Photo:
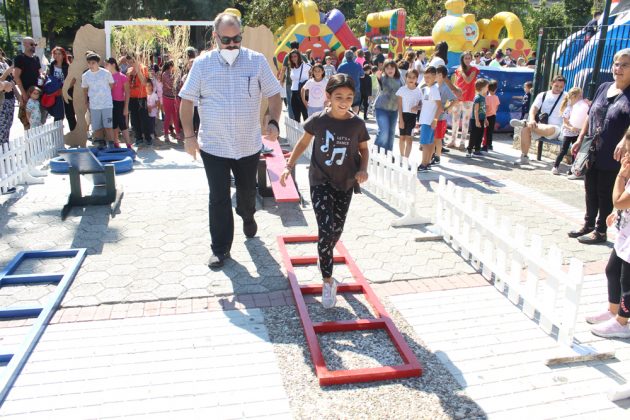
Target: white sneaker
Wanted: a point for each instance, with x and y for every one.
(524, 160)
(329, 294)
(573, 176)
(518, 123)
(611, 329)
(555, 171)
(600, 317)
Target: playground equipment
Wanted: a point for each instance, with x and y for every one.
(314, 31)
(388, 25)
(573, 53)
(461, 32)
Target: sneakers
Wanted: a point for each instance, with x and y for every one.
(484, 149)
(423, 168)
(574, 176)
(218, 260)
(600, 317)
(555, 171)
(524, 160)
(518, 123)
(446, 149)
(435, 160)
(9, 190)
(329, 294)
(611, 329)
(592, 238)
(250, 228)
(584, 230)
(477, 153)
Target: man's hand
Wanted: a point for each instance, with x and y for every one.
(191, 146)
(283, 177)
(401, 123)
(532, 124)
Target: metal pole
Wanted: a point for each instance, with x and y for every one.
(540, 58)
(600, 50)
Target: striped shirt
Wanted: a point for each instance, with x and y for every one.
(229, 101)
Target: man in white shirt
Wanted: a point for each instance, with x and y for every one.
(229, 83)
(546, 104)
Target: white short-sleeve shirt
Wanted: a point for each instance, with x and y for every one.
(229, 101)
(99, 88)
(410, 97)
(430, 94)
(555, 118)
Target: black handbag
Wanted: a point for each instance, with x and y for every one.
(585, 156)
(543, 117)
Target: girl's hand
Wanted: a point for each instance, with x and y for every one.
(619, 151)
(611, 219)
(625, 168)
(434, 124)
(401, 123)
(126, 112)
(361, 177)
(415, 109)
(485, 123)
(478, 124)
(283, 177)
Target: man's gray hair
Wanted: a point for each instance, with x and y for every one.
(26, 38)
(226, 18)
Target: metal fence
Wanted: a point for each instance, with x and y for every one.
(571, 52)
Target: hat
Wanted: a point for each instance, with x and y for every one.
(93, 57)
(349, 55)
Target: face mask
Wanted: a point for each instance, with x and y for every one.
(230, 55)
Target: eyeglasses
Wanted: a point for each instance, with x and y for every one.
(226, 40)
(621, 65)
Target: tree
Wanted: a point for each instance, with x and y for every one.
(160, 9)
(579, 11)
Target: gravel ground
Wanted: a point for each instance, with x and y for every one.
(434, 395)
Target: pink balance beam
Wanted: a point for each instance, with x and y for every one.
(275, 166)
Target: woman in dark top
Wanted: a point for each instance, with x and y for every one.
(59, 69)
(609, 118)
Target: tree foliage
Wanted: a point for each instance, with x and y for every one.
(160, 9)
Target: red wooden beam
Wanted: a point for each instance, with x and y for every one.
(275, 166)
(410, 367)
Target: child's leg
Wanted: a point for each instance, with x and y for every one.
(492, 119)
(440, 132)
(402, 144)
(566, 144)
(323, 206)
(426, 142)
(478, 138)
(471, 140)
(613, 271)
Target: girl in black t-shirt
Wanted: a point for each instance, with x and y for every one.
(339, 162)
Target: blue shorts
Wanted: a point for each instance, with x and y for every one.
(426, 134)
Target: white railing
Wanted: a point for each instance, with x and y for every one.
(500, 247)
(395, 179)
(20, 157)
(294, 133)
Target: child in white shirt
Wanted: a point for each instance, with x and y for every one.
(409, 97)
(153, 102)
(315, 88)
(431, 110)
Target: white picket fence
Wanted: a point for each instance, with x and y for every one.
(391, 178)
(294, 133)
(20, 157)
(395, 179)
(525, 267)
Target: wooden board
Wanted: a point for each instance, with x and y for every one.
(275, 166)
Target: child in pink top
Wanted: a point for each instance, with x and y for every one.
(492, 105)
(120, 100)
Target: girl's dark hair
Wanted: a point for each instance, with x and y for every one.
(493, 86)
(414, 72)
(167, 65)
(299, 59)
(32, 89)
(392, 63)
(338, 81)
(441, 50)
(318, 66)
(462, 63)
(112, 60)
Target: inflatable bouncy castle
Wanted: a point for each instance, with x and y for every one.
(388, 25)
(314, 31)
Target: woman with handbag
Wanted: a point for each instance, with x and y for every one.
(58, 69)
(603, 135)
(300, 73)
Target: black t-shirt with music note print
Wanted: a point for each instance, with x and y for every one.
(335, 157)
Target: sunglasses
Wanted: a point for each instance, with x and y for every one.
(226, 40)
(33, 45)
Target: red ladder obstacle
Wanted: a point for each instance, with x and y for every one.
(410, 368)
